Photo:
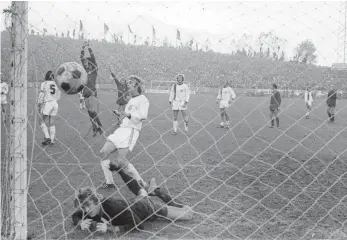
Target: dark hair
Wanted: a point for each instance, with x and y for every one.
(180, 74)
(274, 85)
(138, 84)
(49, 75)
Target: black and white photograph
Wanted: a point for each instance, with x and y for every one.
(173, 120)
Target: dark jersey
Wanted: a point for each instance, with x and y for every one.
(90, 87)
(332, 96)
(275, 101)
(120, 213)
(122, 91)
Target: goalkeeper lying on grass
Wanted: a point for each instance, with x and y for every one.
(112, 214)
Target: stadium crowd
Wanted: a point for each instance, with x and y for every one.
(202, 69)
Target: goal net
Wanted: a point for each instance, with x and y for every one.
(262, 174)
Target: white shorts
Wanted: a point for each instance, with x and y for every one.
(178, 105)
(50, 108)
(3, 99)
(309, 104)
(124, 138)
(224, 104)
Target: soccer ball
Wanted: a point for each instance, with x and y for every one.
(70, 77)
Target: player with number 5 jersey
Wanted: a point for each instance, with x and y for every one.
(48, 107)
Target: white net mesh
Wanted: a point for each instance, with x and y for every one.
(243, 182)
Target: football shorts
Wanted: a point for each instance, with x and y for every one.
(124, 138)
(178, 105)
(50, 108)
(309, 104)
(3, 99)
(223, 104)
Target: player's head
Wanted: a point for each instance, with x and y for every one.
(135, 85)
(49, 76)
(180, 78)
(226, 84)
(88, 64)
(274, 86)
(88, 200)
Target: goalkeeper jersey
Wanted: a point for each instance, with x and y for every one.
(137, 107)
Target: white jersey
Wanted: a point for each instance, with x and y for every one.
(226, 94)
(137, 107)
(308, 97)
(182, 93)
(49, 91)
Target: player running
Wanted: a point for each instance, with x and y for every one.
(48, 106)
(331, 104)
(4, 92)
(178, 99)
(112, 214)
(123, 140)
(275, 103)
(308, 102)
(225, 96)
(82, 103)
(123, 94)
(89, 91)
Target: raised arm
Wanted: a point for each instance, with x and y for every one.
(92, 57)
(82, 55)
(115, 79)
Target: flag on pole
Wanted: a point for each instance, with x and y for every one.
(178, 37)
(81, 26)
(153, 32)
(106, 29)
(130, 29)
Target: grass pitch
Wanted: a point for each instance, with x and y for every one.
(248, 182)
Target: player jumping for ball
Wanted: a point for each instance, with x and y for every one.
(224, 98)
(48, 106)
(89, 91)
(123, 140)
(308, 102)
(123, 93)
(112, 214)
(178, 99)
(275, 103)
(331, 104)
(4, 92)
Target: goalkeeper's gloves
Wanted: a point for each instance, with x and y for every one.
(85, 224)
(102, 227)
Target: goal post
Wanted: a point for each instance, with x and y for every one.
(18, 123)
(157, 86)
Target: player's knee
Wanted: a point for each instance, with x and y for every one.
(122, 163)
(105, 164)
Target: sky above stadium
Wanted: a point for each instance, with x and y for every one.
(223, 23)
